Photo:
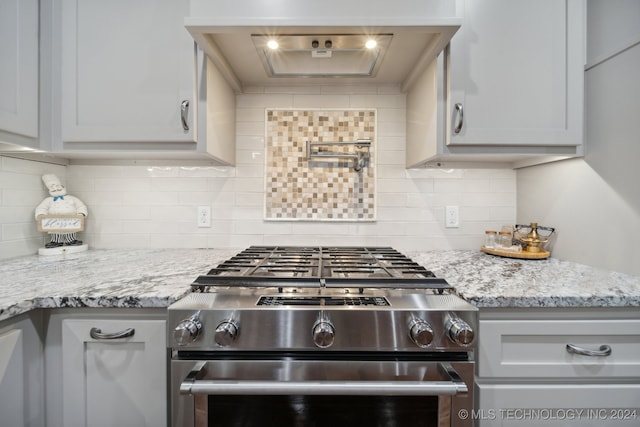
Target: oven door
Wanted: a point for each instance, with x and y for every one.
(298, 392)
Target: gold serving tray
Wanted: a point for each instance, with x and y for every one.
(521, 255)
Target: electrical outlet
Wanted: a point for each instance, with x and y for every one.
(452, 217)
(204, 216)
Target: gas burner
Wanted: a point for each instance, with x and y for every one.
(319, 267)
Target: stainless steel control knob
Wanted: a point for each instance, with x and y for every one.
(459, 331)
(323, 333)
(226, 333)
(421, 332)
(187, 331)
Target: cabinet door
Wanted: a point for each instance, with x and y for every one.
(19, 67)
(127, 68)
(11, 379)
(517, 70)
(109, 382)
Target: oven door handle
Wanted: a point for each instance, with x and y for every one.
(453, 386)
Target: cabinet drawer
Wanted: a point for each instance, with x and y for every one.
(538, 348)
(557, 405)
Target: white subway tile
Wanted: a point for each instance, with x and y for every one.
(249, 199)
(250, 142)
(16, 214)
(150, 199)
(394, 184)
(321, 101)
(19, 230)
(261, 227)
(379, 101)
(179, 184)
(250, 115)
(174, 213)
(386, 129)
(503, 185)
(392, 199)
(387, 171)
(101, 198)
(217, 185)
(23, 197)
(448, 186)
(476, 185)
(250, 157)
(20, 181)
(386, 157)
(250, 170)
(120, 184)
(178, 241)
(103, 227)
(489, 199)
(22, 247)
(398, 115)
(243, 241)
(264, 101)
(420, 200)
(249, 184)
(224, 200)
(389, 89)
(250, 129)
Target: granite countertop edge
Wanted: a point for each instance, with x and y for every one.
(114, 279)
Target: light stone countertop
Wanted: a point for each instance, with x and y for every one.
(157, 278)
(491, 281)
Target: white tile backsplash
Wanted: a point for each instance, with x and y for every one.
(152, 205)
(21, 190)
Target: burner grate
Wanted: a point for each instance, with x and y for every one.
(292, 266)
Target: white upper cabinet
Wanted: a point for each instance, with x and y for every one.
(517, 72)
(18, 71)
(128, 72)
(509, 90)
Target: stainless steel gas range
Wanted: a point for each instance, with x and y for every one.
(321, 336)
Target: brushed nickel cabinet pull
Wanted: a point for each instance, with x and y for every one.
(184, 114)
(97, 334)
(460, 122)
(603, 351)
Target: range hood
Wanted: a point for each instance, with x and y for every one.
(321, 55)
(318, 53)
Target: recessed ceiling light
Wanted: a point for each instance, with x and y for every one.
(370, 44)
(272, 44)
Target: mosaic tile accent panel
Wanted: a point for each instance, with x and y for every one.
(325, 189)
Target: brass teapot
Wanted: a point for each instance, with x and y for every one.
(530, 236)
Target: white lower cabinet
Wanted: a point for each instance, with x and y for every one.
(110, 381)
(11, 377)
(527, 376)
(21, 372)
(558, 405)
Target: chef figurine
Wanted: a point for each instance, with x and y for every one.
(63, 204)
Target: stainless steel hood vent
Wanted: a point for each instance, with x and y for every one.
(322, 55)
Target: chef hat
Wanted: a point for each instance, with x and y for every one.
(50, 179)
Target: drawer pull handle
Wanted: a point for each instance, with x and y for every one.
(603, 351)
(97, 334)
